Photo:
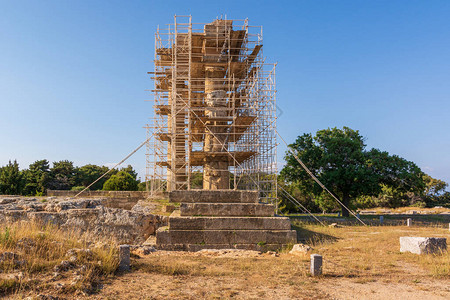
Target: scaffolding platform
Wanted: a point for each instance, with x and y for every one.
(214, 109)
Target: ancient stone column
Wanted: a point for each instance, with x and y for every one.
(215, 169)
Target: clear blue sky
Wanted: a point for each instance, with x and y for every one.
(73, 74)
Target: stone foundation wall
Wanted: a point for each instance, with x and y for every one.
(114, 199)
(88, 216)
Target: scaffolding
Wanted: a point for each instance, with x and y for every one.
(214, 109)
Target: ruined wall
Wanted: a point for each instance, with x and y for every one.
(114, 199)
(88, 216)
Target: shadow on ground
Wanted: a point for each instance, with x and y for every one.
(311, 237)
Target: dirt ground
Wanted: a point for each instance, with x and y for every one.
(142, 285)
(359, 262)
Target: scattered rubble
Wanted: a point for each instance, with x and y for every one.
(228, 253)
(14, 259)
(75, 254)
(142, 250)
(300, 249)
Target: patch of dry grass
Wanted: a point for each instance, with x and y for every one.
(406, 209)
(31, 251)
(375, 251)
(189, 275)
(365, 256)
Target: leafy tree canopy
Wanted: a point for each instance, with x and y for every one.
(434, 187)
(11, 179)
(129, 169)
(122, 181)
(62, 175)
(36, 178)
(338, 158)
(87, 174)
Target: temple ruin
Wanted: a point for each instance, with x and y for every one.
(213, 145)
(214, 109)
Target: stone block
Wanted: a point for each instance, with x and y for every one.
(124, 258)
(44, 217)
(198, 247)
(15, 215)
(168, 208)
(300, 249)
(229, 223)
(82, 213)
(422, 245)
(230, 237)
(214, 196)
(227, 209)
(316, 264)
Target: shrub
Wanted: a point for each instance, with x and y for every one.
(122, 181)
(77, 188)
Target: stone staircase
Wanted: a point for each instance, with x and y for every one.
(223, 219)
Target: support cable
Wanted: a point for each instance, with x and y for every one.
(295, 201)
(118, 164)
(317, 180)
(292, 199)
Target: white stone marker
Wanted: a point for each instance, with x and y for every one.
(316, 264)
(422, 245)
(409, 222)
(124, 258)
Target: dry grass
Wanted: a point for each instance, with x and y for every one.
(409, 209)
(356, 259)
(38, 249)
(358, 262)
(374, 251)
(189, 276)
(160, 203)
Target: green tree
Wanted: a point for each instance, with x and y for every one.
(434, 190)
(197, 180)
(434, 187)
(338, 158)
(155, 184)
(129, 169)
(305, 197)
(87, 174)
(11, 179)
(443, 199)
(142, 186)
(62, 175)
(122, 181)
(37, 177)
(401, 181)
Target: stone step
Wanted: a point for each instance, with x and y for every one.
(224, 223)
(216, 196)
(166, 236)
(198, 247)
(227, 209)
